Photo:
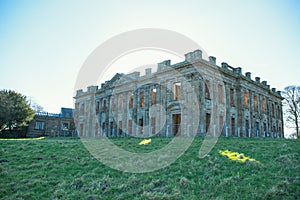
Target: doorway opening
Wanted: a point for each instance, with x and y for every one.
(176, 124)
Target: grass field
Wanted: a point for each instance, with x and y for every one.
(63, 169)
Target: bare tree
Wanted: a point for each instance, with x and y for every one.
(34, 105)
(292, 107)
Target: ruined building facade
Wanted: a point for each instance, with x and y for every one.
(191, 97)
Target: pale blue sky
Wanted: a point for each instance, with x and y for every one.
(44, 43)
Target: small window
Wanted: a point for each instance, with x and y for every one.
(65, 126)
(39, 125)
(176, 90)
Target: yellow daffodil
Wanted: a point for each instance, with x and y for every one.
(39, 138)
(239, 157)
(144, 142)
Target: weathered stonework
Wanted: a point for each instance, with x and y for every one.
(124, 105)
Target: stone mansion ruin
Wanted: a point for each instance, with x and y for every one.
(225, 102)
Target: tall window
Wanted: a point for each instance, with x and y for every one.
(246, 99)
(81, 129)
(221, 123)
(97, 129)
(257, 132)
(120, 128)
(82, 109)
(153, 96)
(176, 90)
(130, 101)
(142, 102)
(130, 127)
(111, 128)
(232, 126)
(153, 125)
(103, 127)
(231, 97)
(220, 93)
(255, 102)
(97, 106)
(104, 105)
(247, 127)
(39, 125)
(207, 86)
(141, 124)
(265, 129)
(121, 102)
(112, 103)
(279, 112)
(207, 121)
(273, 110)
(263, 105)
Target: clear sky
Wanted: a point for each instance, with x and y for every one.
(44, 43)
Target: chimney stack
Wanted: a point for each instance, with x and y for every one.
(148, 71)
(212, 59)
(257, 79)
(248, 75)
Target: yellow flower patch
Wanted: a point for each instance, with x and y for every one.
(40, 138)
(144, 142)
(236, 156)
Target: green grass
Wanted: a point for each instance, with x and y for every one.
(63, 169)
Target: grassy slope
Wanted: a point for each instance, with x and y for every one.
(63, 169)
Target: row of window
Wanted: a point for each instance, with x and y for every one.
(40, 125)
(247, 126)
(176, 96)
(264, 107)
(130, 127)
(231, 130)
(121, 100)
